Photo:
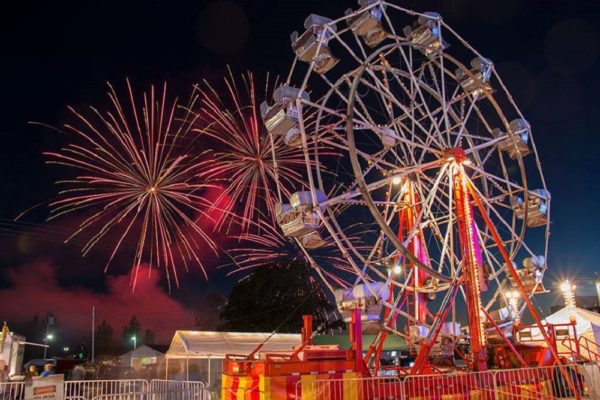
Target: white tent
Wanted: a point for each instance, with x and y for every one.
(196, 355)
(196, 344)
(142, 355)
(587, 324)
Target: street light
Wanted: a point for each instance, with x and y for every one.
(568, 291)
(134, 338)
(47, 339)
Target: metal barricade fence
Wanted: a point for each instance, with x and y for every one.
(171, 394)
(542, 383)
(12, 390)
(118, 389)
(180, 390)
(591, 376)
(539, 383)
(350, 388)
(92, 389)
(468, 385)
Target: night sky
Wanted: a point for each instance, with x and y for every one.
(58, 53)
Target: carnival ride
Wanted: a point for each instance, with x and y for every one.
(437, 164)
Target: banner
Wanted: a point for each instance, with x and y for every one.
(47, 388)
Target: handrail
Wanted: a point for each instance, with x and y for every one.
(582, 343)
(586, 345)
(566, 342)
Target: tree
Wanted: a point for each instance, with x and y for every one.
(274, 298)
(208, 314)
(149, 336)
(34, 331)
(104, 338)
(132, 329)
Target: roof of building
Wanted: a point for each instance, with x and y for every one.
(143, 351)
(162, 348)
(198, 344)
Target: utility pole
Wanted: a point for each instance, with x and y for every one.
(48, 336)
(93, 332)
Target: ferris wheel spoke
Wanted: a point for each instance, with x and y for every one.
(464, 123)
(395, 122)
(434, 222)
(417, 84)
(497, 180)
(373, 186)
(500, 218)
(452, 258)
(422, 108)
(441, 89)
(426, 204)
(401, 106)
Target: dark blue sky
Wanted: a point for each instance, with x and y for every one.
(59, 53)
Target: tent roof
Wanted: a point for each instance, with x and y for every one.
(584, 318)
(143, 351)
(584, 321)
(197, 344)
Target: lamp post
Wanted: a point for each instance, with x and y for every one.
(568, 291)
(47, 339)
(134, 339)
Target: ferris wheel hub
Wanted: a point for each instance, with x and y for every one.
(456, 154)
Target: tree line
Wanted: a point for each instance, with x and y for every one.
(273, 298)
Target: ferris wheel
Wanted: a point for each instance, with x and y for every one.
(410, 135)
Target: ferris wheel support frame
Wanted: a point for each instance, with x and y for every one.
(565, 374)
(472, 264)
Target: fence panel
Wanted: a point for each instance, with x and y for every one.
(180, 390)
(350, 388)
(471, 385)
(12, 390)
(93, 389)
(544, 383)
(591, 378)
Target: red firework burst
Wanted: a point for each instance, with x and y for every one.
(137, 180)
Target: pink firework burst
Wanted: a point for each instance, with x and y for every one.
(244, 152)
(137, 181)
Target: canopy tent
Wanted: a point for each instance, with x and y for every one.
(143, 355)
(585, 321)
(196, 355)
(587, 324)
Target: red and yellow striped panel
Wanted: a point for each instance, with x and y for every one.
(305, 387)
